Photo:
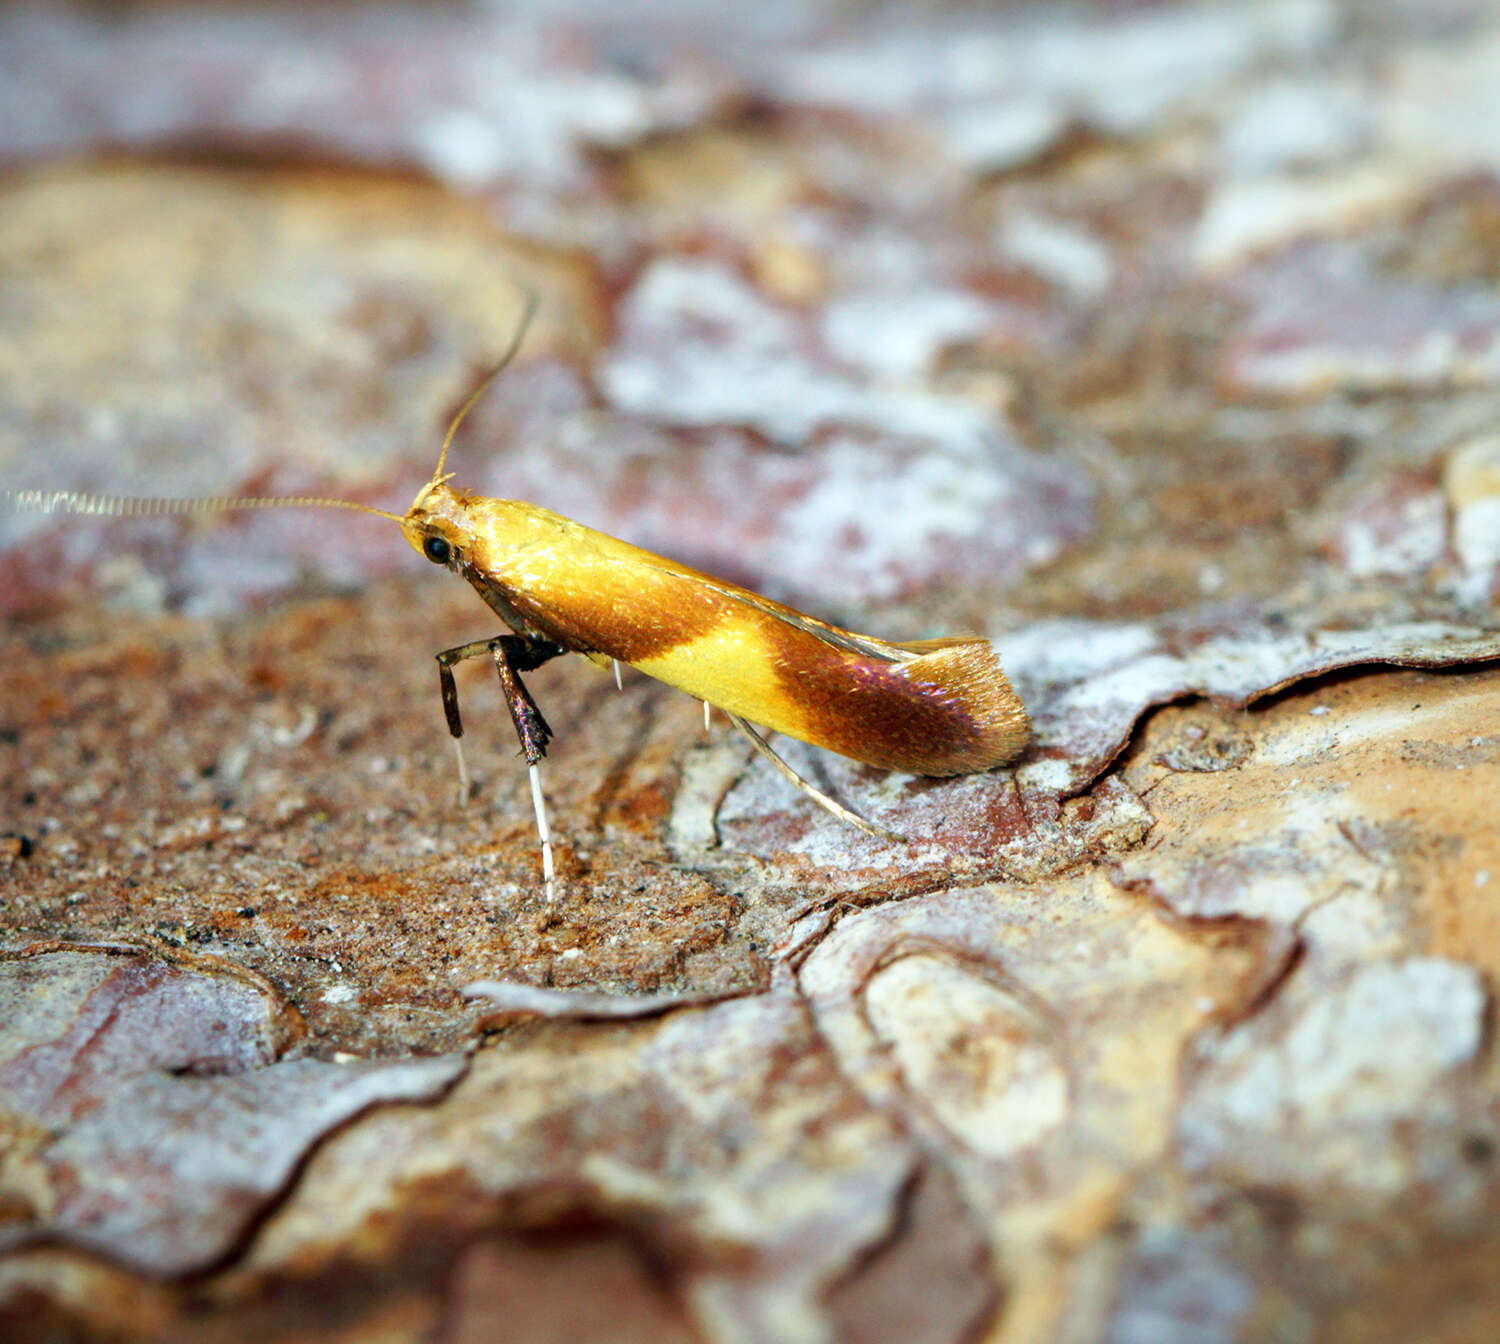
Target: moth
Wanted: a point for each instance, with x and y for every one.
(932, 707)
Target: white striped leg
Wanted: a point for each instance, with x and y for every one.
(463, 771)
(543, 832)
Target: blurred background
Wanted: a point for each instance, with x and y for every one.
(1158, 342)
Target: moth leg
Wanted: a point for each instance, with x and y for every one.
(449, 691)
(512, 654)
(817, 795)
(543, 831)
(463, 771)
(445, 660)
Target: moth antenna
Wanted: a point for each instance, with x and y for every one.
(527, 313)
(146, 506)
(131, 506)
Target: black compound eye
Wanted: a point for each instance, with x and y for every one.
(437, 550)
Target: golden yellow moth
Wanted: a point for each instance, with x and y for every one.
(935, 707)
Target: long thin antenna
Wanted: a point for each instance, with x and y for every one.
(527, 313)
(130, 506)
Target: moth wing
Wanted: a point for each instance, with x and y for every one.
(835, 635)
(922, 646)
(957, 677)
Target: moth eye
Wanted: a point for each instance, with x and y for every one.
(437, 550)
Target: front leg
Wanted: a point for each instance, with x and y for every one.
(513, 654)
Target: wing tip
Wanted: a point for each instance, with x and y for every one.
(969, 674)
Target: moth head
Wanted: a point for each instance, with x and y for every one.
(437, 524)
